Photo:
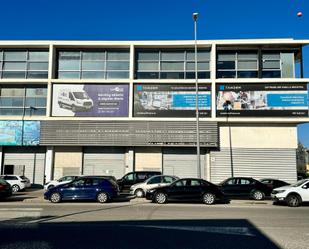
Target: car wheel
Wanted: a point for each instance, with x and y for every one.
(293, 200)
(102, 197)
(55, 198)
(50, 186)
(15, 188)
(139, 193)
(209, 198)
(258, 195)
(160, 198)
(73, 108)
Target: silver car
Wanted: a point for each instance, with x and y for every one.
(140, 189)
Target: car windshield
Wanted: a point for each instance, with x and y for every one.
(23, 177)
(297, 184)
(81, 95)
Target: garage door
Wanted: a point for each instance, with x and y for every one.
(181, 162)
(30, 161)
(104, 161)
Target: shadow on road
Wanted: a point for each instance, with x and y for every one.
(145, 234)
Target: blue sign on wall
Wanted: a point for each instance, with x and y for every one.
(17, 133)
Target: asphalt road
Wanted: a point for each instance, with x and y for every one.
(140, 224)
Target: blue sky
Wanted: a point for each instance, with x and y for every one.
(156, 20)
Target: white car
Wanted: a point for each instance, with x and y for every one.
(17, 182)
(293, 195)
(62, 180)
(140, 189)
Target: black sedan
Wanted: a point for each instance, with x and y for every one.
(187, 189)
(273, 183)
(5, 189)
(244, 187)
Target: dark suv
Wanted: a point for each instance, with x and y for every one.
(135, 177)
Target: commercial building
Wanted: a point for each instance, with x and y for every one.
(107, 108)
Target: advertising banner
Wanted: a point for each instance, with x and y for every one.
(262, 100)
(11, 133)
(171, 100)
(90, 100)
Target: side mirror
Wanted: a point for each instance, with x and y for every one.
(305, 187)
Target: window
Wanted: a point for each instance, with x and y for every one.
(171, 64)
(102, 64)
(271, 65)
(243, 181)
(195, 183)
(10, 178)
(129, 177)
(168, 179)
(23, 100)
(181, 183)
(241, 64)
(155, 180)
(230, 182)
(24, 64)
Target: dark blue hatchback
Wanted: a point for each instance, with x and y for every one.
(84, 188)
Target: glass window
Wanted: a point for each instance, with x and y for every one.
(154, 180)
(201, 56)
(93, 65)
(226, 65)
(38, 56)
(69, 65)
(243, 181)
(141, 176)
(117, 65)
(170, 56)
(117, 75)
(129, 177)
(181, 183)
(118, 55)
(15, 55)
(201, 66)
(195, 183)
(148, 66)
(271, 64)
(38, 66)
(230, 182)
(94, 56)
(14, 66)
(93, 74)
(172, 66)
(149, 56)
(18, 64)
(69, 55)
(69, 75)
(168, 179)
(243, 65)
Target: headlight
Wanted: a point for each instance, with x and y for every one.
(278, 191)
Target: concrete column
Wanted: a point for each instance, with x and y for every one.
(129, 160)
(49, 161)
(1, 160)
(213, 79)
(207, 168)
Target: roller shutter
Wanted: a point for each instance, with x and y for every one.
(181, 162)
(256, 163)
(32, 160)
(104, 161)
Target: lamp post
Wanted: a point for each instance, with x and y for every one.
(227, 107)
(198, 160)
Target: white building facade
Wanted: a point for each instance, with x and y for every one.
(108, 108)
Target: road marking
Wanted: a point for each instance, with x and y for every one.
(245, 231)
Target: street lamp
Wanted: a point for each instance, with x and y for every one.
(198, 160)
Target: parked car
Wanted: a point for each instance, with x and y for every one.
(187, 189)
(17, 182)
(84, 188)
(140, 189)
(293, 195)
(273, 183)
(5, 189)
(64, 179)
(135, 177)
(244, 187)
